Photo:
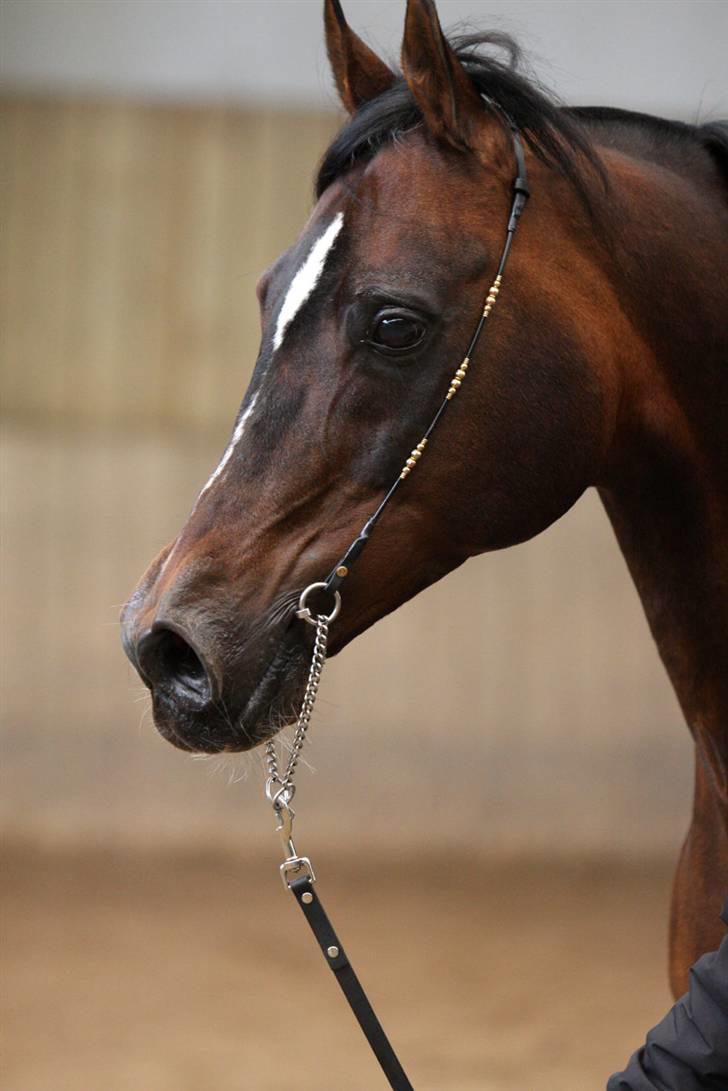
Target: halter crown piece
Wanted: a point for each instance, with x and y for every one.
(296, 871)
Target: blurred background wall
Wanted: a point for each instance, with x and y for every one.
(155, 158)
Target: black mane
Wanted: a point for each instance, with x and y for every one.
(492, 61)
(666, 136)
(561, 137)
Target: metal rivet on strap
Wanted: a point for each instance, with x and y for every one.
(332, 952)
(307, 897)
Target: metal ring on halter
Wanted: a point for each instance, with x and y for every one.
(303, 611)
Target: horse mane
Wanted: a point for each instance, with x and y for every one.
(714, 138)
(493, 62)
(560, 136)
(664, 134)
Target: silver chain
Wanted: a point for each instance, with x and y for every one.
(279, 787)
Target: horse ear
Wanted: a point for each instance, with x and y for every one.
(359, 73)
(450, 105)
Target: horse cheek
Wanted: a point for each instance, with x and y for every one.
(541, 442)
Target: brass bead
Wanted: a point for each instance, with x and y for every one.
(411, 463)
(456, 383)
(405, 471)
(490, 299)
(421, 445)
(460, 373)
(499, 278)
(342, 571)
(416, 454)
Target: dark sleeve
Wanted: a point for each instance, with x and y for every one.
(688, 1050)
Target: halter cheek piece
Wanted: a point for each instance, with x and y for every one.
(296, 871)
(521, 194)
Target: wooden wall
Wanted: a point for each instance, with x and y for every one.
(133, 236)
(519, 706)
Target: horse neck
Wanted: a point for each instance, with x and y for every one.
(666, 486)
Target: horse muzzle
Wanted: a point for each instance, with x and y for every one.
(209, 697)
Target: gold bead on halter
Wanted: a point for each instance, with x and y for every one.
(415, 456)
(455, 383)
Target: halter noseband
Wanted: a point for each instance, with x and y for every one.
(521, 193)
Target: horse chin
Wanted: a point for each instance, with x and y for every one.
(234, 726)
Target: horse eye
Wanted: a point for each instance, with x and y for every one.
(396, 332)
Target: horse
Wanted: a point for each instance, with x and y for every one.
(605, 365)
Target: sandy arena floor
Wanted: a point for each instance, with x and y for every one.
(158, 973)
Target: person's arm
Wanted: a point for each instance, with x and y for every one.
(688, 1050)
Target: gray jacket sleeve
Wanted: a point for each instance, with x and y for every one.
(688, 1050)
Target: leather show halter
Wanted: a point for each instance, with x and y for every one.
(296, 871)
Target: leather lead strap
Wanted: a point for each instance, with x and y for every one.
(333, 952)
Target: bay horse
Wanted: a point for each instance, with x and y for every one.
(605, 364)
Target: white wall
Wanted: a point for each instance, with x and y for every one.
(654, 55)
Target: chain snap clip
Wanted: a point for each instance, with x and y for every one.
(293, 866)
(279, 786)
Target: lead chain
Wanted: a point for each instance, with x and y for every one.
(279, 787)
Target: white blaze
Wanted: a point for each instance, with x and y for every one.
(236, 437)
(300, 288)
(306, 279)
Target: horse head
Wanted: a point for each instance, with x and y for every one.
(364, 320)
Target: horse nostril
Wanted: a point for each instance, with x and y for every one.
(167, 660)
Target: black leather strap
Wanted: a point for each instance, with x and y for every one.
(333, 952)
